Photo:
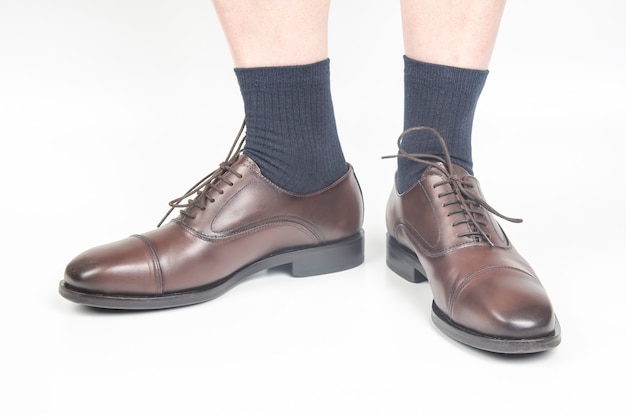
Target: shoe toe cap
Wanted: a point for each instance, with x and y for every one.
(505, 303)
(123, 267)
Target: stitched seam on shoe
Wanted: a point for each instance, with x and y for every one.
(155, 262)
(431, 203)
(411, 232)
(252, 230)
(308, 227)
(417, 238)
(319, 234)
(465, 281)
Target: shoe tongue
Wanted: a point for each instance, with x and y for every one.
(457, 171)
(246, 160)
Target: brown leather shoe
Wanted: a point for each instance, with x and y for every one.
(485, 294)
(236, 224)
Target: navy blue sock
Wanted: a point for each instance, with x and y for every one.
(443, 98)
(290, 125)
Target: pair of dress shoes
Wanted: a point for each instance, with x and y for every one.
(236, 223)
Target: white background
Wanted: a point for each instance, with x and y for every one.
(109, 109)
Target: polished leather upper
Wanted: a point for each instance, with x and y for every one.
(486, 287)
(242, 218)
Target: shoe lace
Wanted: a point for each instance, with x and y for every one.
(466, 202)
(210, 182)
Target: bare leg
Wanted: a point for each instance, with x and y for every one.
(458, 33)
(264, 33)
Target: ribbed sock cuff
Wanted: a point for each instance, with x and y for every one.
(283, 78)
(444, 77)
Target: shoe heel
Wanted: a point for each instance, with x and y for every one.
(334, 257)
(403, 262)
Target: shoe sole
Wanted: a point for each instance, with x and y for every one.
(405, 263)
(323, 259)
